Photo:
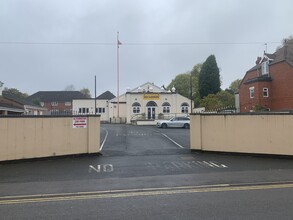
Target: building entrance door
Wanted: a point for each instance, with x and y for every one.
(151, 112)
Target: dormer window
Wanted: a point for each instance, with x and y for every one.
(265, 68)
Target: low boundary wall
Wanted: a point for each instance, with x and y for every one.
(247, 133)
(43, 136)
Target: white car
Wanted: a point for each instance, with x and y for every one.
(177, 122)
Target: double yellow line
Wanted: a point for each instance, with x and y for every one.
(8, 200)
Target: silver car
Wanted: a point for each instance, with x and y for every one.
(177, 122)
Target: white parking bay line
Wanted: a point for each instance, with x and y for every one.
(104, 140)
(166, 136)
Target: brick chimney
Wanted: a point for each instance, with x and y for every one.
(258, 59)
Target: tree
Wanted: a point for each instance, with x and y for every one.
(196, 70)
(36, 101)
(210, 102)
(209, 77)
(181, 84)
(186, 83)
(288, 40)
(69, 88)
(86, 92)
(226, 98)
(15, 92)
(216, 101)
(234, 86)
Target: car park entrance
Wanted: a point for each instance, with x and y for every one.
(126, 139)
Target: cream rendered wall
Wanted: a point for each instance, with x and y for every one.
(35, 137)
(264, 134)
(113, 110)
(174, 99)
(130, 99)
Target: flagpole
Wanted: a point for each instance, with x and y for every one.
(117, 74)
(95, 94)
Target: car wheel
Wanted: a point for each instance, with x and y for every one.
(164, 125)
(186, 126)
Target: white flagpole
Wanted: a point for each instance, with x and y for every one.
(117, 74)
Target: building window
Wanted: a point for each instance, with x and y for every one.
(100, 110)
(54, 103)
(265, 68)
(184, 107)
(265, 92)
(83, 110)
(67, 103)
(42, 104)
(55, 112)
(166, 107)
(136, 108)
(251, 92)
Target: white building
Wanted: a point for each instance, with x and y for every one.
(87, 106)
(145, 102)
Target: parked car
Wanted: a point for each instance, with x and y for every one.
(177, 122)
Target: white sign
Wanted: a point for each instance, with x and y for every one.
(79, 122)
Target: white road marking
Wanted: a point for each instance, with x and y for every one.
(104, 140)
(174, 142)
(222, 165)
(98, 169)
(106, 168)
(208, 164)
(186, 165)
(197, 164)
(214, 164)
(201, 163)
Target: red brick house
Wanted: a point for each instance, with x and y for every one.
(269, 84)
(57, 102)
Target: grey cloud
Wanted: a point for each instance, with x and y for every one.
(51, 67)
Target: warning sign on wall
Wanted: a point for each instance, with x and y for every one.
(79, 122)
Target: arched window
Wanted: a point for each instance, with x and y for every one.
(166, 107)
(184, 107)
(151, 104)
(136, 108)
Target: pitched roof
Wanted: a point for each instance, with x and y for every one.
(57, 96)
(18, 99)
(106, 95)
(6, 106)
(147, 86)
(284, 53)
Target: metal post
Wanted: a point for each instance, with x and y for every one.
(95, 109)
(190, 92)
(118, 42)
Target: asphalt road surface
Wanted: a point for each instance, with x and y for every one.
(145, 172)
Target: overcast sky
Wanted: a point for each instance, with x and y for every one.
(160, 39)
